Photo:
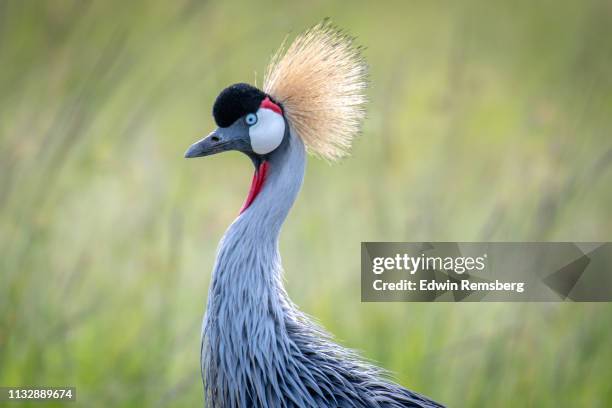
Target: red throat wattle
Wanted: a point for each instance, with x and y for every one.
(256, 185)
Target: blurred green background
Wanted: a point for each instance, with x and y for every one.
(487, 121)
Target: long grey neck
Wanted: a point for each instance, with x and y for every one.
(248, 252)
(247, 270)
(250, 245)
(247, 304)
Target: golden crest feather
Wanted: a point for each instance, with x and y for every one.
(320, 80)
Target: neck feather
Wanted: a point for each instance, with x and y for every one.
(247, 304)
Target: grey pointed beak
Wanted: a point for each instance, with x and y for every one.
(211, 144)
(235, 137)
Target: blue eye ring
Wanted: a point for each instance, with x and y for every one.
(250, 119)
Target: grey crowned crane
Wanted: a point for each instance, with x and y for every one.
(258, 349)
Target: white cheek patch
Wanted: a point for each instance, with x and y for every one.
(267, 134)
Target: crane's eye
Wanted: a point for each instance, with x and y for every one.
(251, 119)
(267, 134)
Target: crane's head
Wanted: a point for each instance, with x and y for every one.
(316, 88)
(248, 121)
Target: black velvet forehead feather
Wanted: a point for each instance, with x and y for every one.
(236, 101)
